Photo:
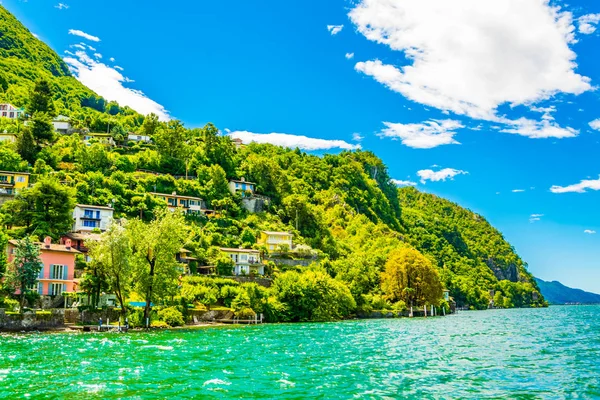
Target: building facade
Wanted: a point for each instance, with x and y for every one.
(275, 241)
(62, 124)
(8, 137)
(57, 274)
(11, 183)
(247, 261)
(10, 111)
(102, 138)
(188, 204)
(80, 241)
(134, 137)
(241, 186)
(86, 218)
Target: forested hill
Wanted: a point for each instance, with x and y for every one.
(343, 209)
(25, 60)
(557, 293)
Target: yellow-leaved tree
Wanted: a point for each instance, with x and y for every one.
(410, 277)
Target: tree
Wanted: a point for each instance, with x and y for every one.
(41, 99)
(3, 261)
(150, 125)
(154, 248)
(112, 254)
(171, 140)
(410, 277)
(25, 268)
(224, 264)
(26, 146)
(10, 160)
(41, 127)
(46, 208)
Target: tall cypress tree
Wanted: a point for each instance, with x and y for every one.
(41, 99)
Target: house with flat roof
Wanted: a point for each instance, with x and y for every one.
(134, 137)
(247, 261)
(188, 204)
(11, 183)
(87, 217)
(62, 124)
(102, 138)
(9, 111)
(57, 274)
(8, 137)
(274, 241)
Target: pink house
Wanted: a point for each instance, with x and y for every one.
(57, 274)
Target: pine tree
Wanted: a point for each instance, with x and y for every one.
(41, 99)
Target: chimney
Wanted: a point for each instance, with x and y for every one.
(68, 244)
(47, 242)
(174, 194)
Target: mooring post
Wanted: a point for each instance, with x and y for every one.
(444, 311)
(425, 310)
(410, 314)
(99, 324)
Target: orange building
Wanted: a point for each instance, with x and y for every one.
(58, 271)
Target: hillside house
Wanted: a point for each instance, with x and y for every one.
(57, 275)
(80, 241)
(134, 137)
(88, 218)
(102, 138)
(62, 124)
(275, 241)
(247, 261)
(242, 186)
(11, 183)
(9, 111)
(8, 137)
(188, 204)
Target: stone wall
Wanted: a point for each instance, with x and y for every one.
(30, 321)
(212, 315)
(266, 282)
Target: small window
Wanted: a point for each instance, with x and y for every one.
(20, 179)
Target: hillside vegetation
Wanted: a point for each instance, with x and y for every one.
(342, 209)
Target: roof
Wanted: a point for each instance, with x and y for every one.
(83, 236)
(182, 250)
(53, 247)
(61, 118)
(175, 195)
(239, 250)
(96, 134)
(91, 206)
(7, 134)
(238, 181)
(14, 172)
(276, 233)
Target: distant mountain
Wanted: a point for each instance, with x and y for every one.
(557, 293)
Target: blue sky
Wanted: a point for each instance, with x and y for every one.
(489, 104)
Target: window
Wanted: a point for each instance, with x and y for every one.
(90, 224)
(11, 115)
(56, 289)
(58, 271)
(3, 178)
(20, 179)
(4, 114)
(243, 257)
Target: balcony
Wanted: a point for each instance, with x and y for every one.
(91, 217)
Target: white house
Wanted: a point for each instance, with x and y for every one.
(134, 137)
(246, 261)
(10, 111)
(88, 218)
(241, 186)
(276, 240)
(62, 124)
(8, 137)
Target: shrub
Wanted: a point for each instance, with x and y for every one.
(159, 324)
(11, 304)
(172, 316)
(245, 313)
(136, 319)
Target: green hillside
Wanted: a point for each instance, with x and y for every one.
(350, 223)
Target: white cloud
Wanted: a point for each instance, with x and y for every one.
(589, 232)
(293, 141)
(518, 190)
(595, 124)
(581, 187)
(399, 182)
(78, 46)
(108, 82)
(471, 56)
(35, 35)
(84, 35)
(587, 23)
(97, 55)
(335, 29)
(349, 56)
(112, 59)
(543, 129)
(426, 135)
(61, 6)
(357, 137)
(441, 175)
(535, 217)
(119, 68)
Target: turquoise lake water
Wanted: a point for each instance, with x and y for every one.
(533, 353)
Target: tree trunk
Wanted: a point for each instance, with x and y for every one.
(149, 291)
